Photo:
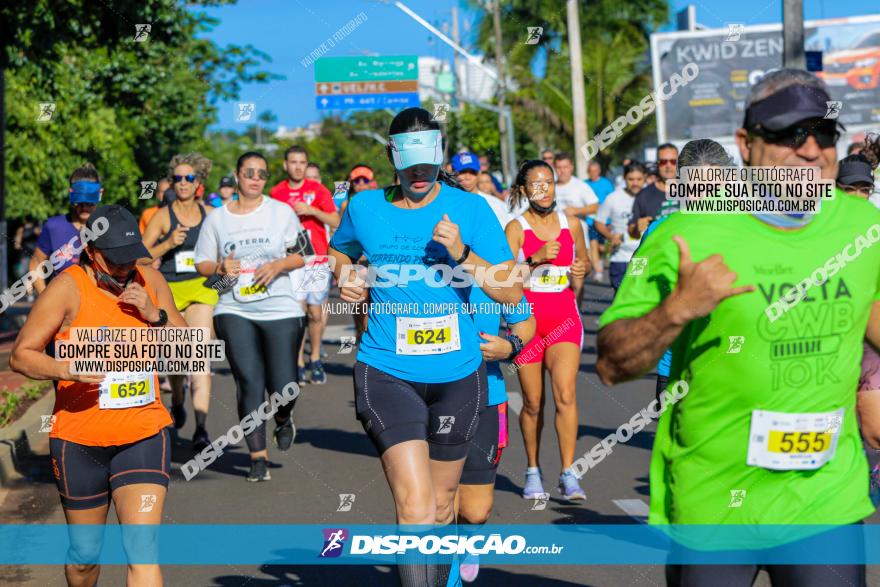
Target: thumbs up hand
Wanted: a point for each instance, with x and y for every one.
(446, 233)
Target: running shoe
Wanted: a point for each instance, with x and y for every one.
(200, 440)
(469, 568)
(284, 434)
(178, 414)
(534, 484)
(570, 488)
(259, 471)
(318, 376)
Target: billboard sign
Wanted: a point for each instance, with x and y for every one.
(711, 106)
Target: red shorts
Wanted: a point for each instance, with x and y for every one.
(557, 320)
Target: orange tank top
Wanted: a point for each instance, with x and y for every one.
(77, 415)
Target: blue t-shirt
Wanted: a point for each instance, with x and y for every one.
(488, 319)
(60, 235)
(665, 363)
(601, 187)
(398, 241)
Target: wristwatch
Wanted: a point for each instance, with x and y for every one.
(464, 255)
(162, 321)
(517, 344)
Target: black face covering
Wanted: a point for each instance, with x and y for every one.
(109, 282)
(542, 209)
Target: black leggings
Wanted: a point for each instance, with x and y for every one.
(262, 354)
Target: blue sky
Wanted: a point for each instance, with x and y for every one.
(288, 30)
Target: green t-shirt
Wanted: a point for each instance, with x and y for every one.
(806, 361)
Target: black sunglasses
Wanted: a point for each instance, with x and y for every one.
(794, 137)
(190, 178)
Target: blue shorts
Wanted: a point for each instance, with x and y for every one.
(595, 236)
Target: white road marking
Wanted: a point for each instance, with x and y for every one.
(636, 509)
(334, 332)
(515, 401)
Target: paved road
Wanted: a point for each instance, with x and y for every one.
(332, 456)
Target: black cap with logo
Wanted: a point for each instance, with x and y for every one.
(855, 169)
(227, 182)
(121, 243)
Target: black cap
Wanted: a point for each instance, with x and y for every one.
(853, 170)
(786, 107)
(121, 242)
(227, 182)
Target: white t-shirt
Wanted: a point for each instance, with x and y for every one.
(499, 208)
(257, 238)
(575, 194)
(617, 208)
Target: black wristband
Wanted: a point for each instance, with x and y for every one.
(162, 321)
(464, 255)
(517, 344)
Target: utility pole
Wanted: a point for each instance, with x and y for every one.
(793, 34)
(455, 37)
(578, 97)
(4, 255)
(506, 164)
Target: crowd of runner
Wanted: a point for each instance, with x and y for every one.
(256, 264)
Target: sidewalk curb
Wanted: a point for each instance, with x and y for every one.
(18, 440)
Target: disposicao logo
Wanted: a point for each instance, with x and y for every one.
(334, 542)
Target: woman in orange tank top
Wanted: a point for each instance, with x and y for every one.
(103, 446)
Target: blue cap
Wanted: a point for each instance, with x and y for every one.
(465, 161)
(85, 192)
(424, 147)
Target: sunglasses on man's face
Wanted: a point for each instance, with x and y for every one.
(251, 173)
(667, 161)
(361, 180)
(794, 137)
(190, 178)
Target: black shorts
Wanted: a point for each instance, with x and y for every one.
(86, 476)
(443, 414)
(484, 451)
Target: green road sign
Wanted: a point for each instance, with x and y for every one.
(367, 69)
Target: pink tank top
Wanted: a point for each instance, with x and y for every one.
(531, 243)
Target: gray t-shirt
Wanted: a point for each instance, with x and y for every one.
(257, 238)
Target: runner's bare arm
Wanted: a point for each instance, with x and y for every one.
(869, 416)
(60, 300)
(603, 229)
(156, 281)
(352, 287)
(331, 219)
(159, 225)
(37, 258)
(582, 259)
(630, 347)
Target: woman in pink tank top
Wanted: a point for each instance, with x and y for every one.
(554, 248)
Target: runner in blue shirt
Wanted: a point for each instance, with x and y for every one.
(420, 381)
(59, 240)
(602, 187)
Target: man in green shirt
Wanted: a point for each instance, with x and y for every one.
(767, 433)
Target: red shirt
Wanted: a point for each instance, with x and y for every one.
(314, 194)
